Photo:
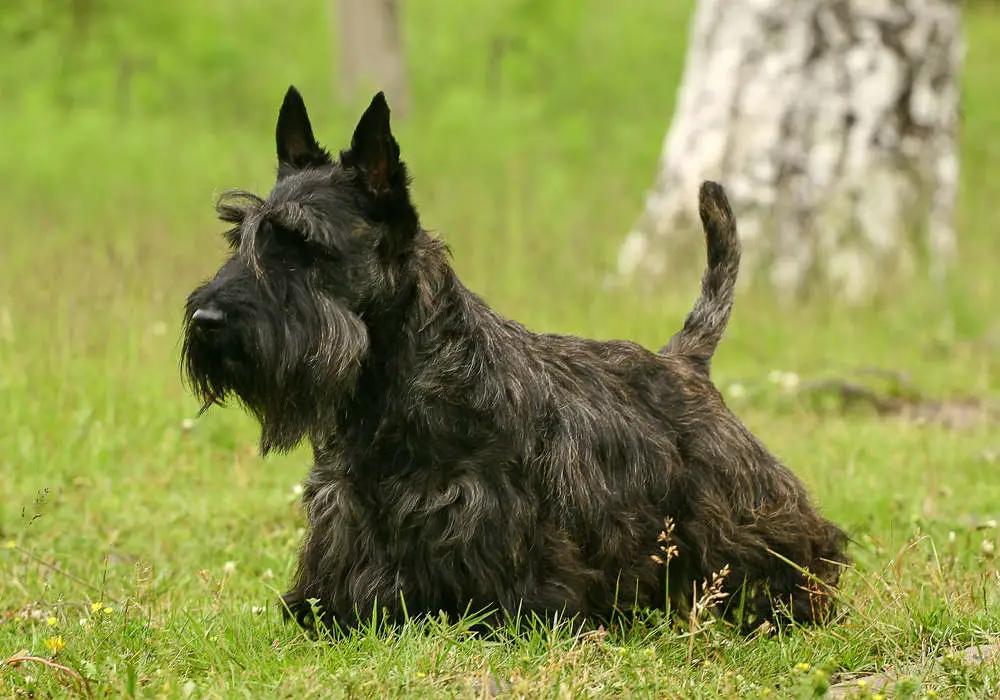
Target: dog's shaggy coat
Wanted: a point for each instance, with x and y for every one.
(463, 462)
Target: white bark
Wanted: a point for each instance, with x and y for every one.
(371, 52)
(831, 123)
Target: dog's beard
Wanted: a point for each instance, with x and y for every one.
(291, 379)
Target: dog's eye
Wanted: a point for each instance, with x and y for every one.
(287, 237)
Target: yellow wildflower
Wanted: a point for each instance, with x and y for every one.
(55, 644)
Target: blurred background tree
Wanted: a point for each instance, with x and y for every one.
(371, 52)
(833, 123)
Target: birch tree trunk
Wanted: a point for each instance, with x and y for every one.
(371, 52)
(832, 124)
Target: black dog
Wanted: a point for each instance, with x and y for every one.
(463, 462)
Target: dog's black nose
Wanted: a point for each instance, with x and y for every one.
(208, 316)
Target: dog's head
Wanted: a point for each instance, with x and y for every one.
(283, 325)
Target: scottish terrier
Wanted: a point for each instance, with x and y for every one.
(463, 462)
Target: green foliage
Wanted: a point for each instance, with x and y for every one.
(535, 131)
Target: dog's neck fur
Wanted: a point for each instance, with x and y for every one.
(431, 306)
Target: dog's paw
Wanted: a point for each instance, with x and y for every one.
(295, 607)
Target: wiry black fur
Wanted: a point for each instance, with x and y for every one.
(705, 325)
(461, 461)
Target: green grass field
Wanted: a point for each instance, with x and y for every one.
(145, 551)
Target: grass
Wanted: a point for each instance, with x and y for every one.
(145, 550)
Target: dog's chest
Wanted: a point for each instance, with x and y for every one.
(409, 522)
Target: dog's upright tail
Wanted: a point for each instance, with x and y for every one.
(707, 320)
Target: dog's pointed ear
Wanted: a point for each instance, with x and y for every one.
(297, 147)
(374, 151)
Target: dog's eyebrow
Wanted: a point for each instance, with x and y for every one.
(233, 206)
(301, 218)
(248, 238)
(243, 210)
(307, 217)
